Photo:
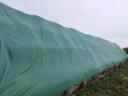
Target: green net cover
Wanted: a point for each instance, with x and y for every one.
(42, 58)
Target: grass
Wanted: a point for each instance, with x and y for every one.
(112, 84)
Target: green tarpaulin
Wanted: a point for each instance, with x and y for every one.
(42, 58)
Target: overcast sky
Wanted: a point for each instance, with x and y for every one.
(107, 19)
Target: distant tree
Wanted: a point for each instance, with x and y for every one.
(126, 50)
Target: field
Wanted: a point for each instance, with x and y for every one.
(114, 83)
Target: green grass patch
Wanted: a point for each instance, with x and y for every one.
(112, 84)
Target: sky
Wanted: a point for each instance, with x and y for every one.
(107, 19)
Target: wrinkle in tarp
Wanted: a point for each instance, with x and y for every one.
(42, 58)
